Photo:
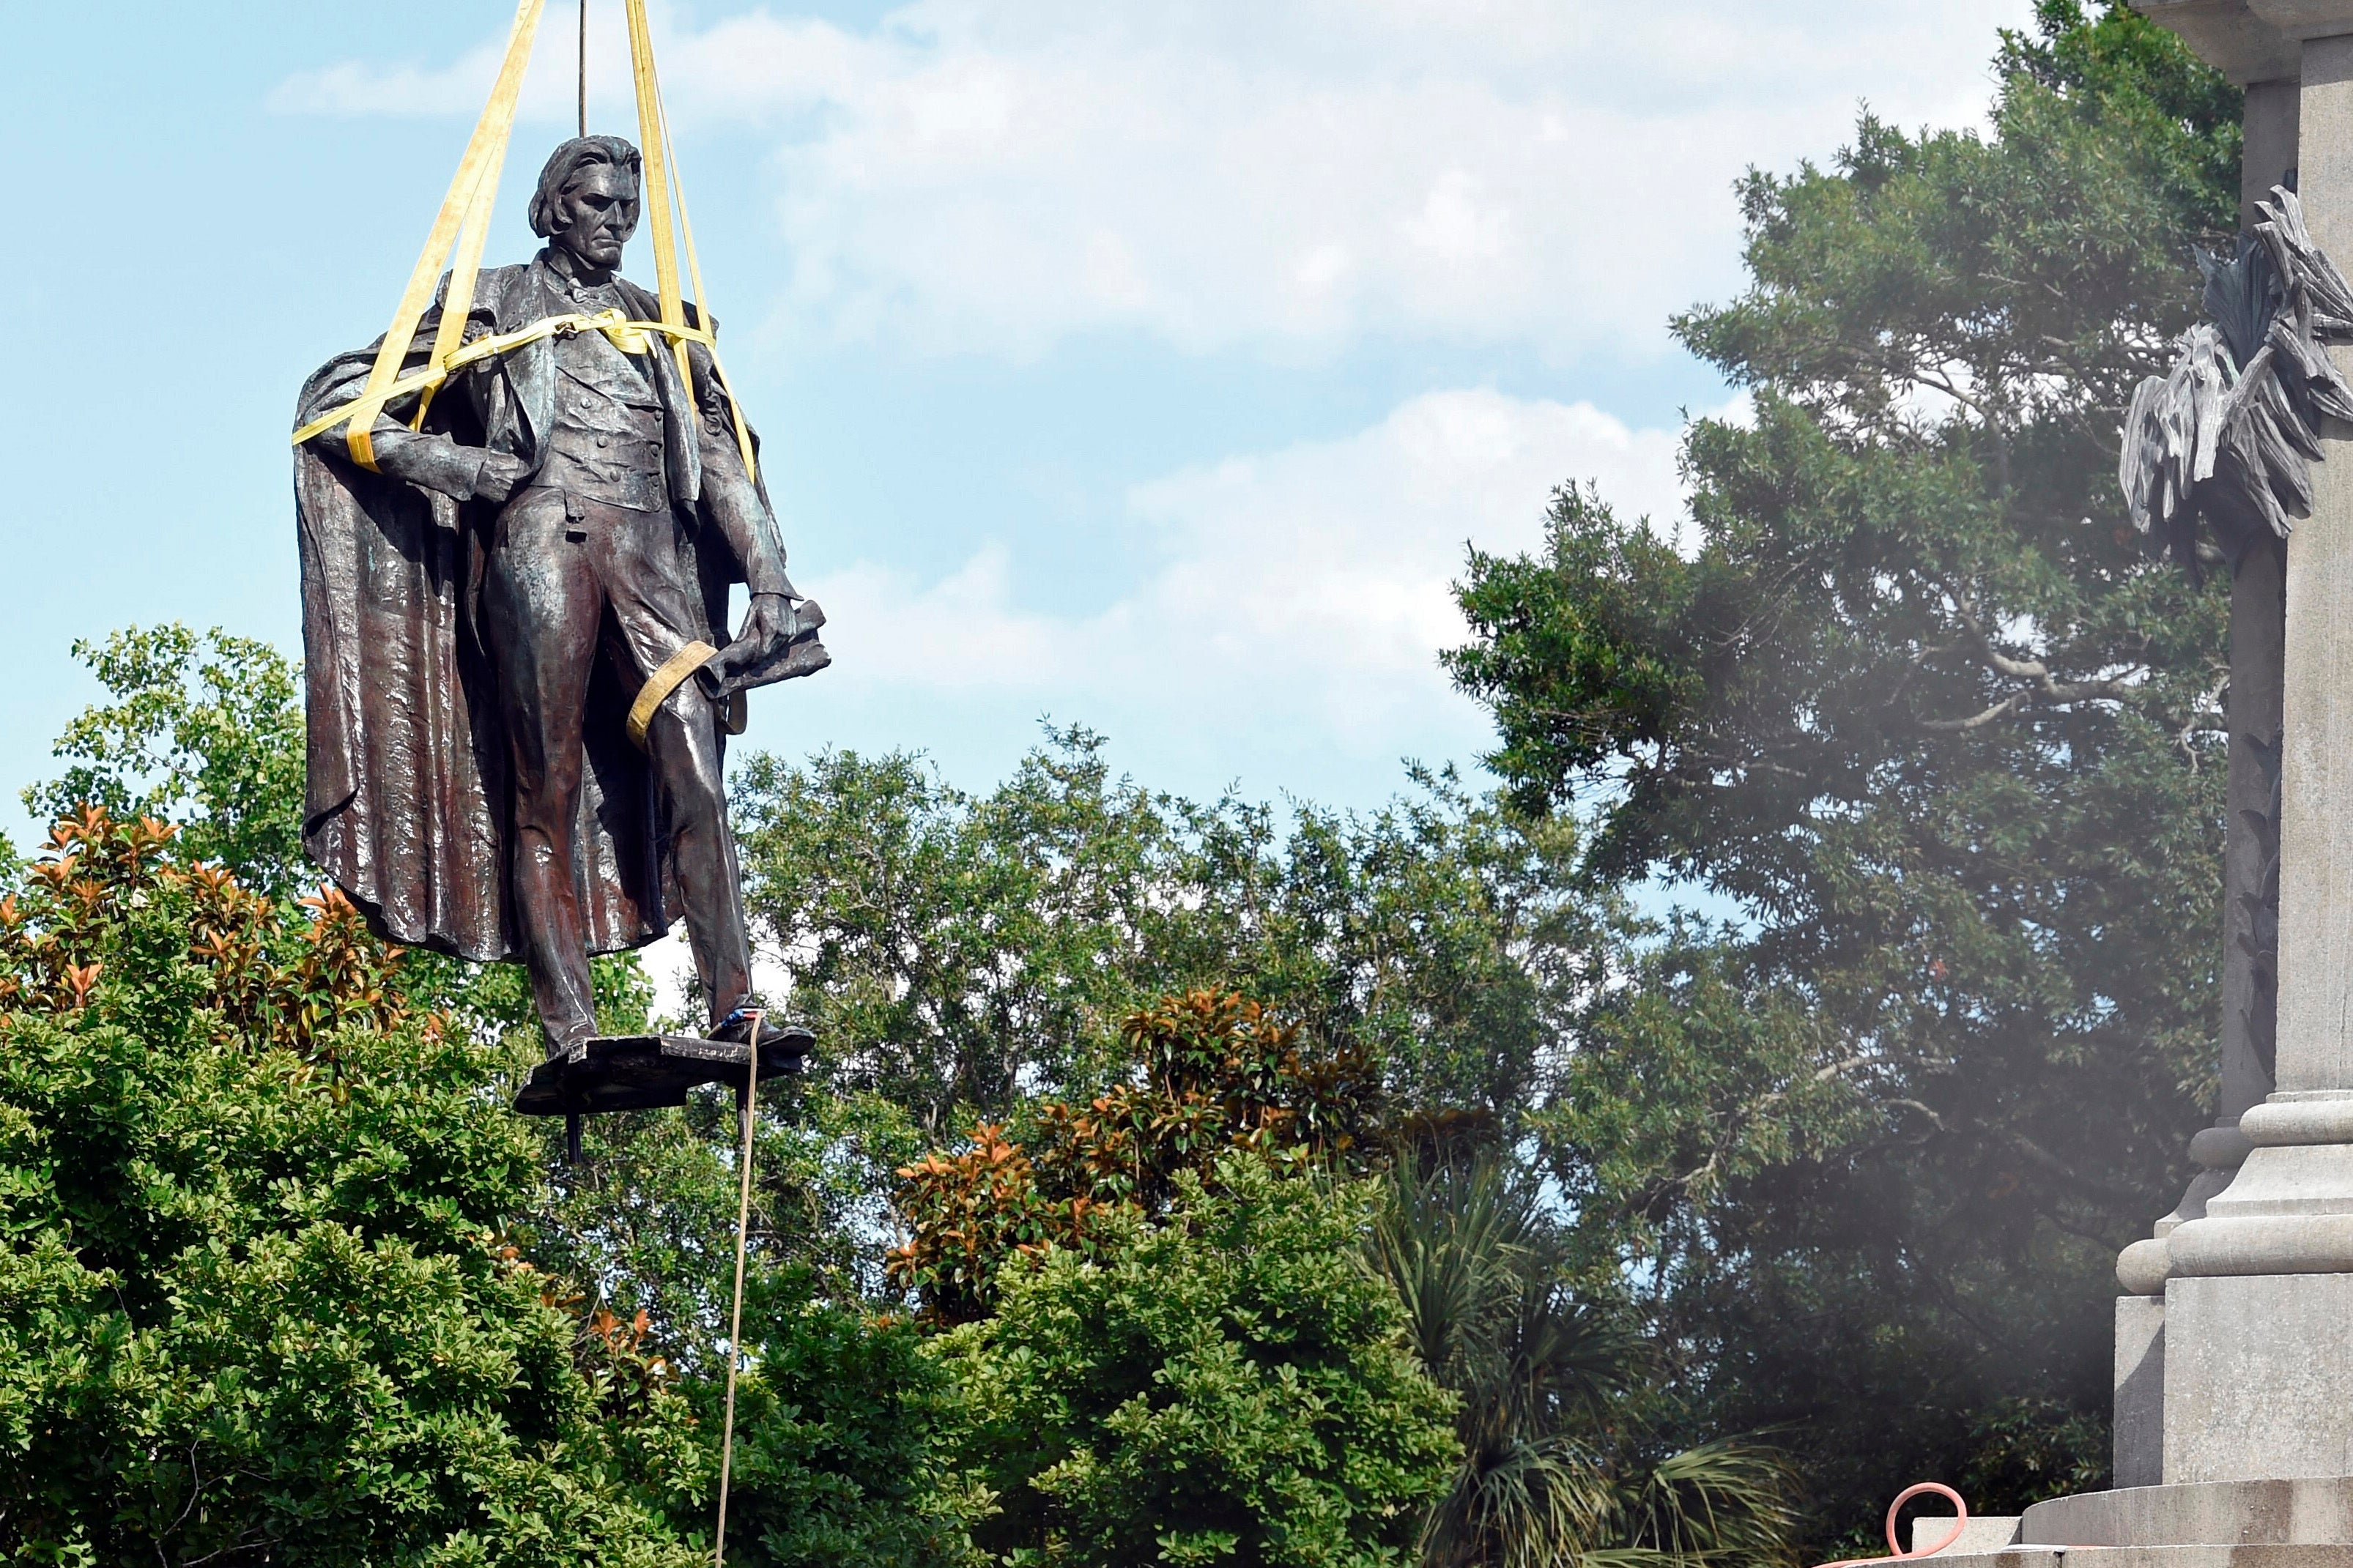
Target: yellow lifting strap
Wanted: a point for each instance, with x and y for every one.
(464, 220)
(630, 337)
(662, 682)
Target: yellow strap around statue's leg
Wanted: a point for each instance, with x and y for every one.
(662, 682)
(474, 190)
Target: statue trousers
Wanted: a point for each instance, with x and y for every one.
(568, 581)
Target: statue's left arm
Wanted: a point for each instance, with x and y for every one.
(735, 505)
(730, 498)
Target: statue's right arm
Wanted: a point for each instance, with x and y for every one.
(431, 461)
(428, 460)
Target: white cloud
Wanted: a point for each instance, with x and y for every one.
(1300, 603)
(995, 175)
(1308, 588)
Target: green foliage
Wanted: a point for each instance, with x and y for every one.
(1561, 1459)
(254, 1299)
(1213, 1074)
(1228, 1386)
(205, 733)
(842, 1444)
(952, 948)
(1591, 641)
(2036, 1447)
(1923, 717)
(264, 1292)
(204, 729)
(646, 1221)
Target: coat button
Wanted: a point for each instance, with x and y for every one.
(604, 440)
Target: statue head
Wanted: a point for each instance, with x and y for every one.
(586, 202)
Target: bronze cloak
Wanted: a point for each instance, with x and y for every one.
(407, 807)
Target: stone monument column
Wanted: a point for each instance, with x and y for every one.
(2258, 1317)
(2249, 878)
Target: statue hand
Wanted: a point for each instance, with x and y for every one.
(499, 476)
(769, 625)
(779, 642)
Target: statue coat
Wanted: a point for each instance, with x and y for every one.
(407, 807)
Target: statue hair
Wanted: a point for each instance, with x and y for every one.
(566, 162)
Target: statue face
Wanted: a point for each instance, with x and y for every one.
(595, 214)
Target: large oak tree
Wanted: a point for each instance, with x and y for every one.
(1938, 742)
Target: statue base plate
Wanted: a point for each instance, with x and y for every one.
(639, 1072)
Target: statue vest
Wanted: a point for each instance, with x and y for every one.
(607, 446)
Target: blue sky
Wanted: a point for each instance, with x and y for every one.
(1145, 366)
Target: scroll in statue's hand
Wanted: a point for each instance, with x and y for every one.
(778, 641)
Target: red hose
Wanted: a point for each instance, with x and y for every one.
(1895, 1546)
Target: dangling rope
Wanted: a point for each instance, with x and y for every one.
(464, 220)
(736, 1323)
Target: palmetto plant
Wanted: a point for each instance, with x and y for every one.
(1559, 1466)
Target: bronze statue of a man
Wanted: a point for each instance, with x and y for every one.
(516, 707)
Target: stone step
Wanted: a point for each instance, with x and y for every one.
(1983, 1533)
(2253, 1554)
(2313, 1511)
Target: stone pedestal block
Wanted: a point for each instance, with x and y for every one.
(2251, 40)
(2256, 1385)
(2260, 1555)
(2139, 1435)
(1983, 1533)
(2223, 1524)
(2317, 1512)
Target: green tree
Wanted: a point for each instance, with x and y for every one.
(286, 1278)
(844, 1435)
(255, 1299)
(1921, 713)
(955, 948)
(1562, 1454)
(1213, 1074)
(1227, 1387)
(204, 729)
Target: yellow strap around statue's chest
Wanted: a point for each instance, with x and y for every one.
(631, 337)
(464, 220)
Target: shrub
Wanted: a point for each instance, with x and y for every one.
(1227, 1386)
(254, 1300)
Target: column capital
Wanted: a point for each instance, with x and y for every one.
(2251, 40)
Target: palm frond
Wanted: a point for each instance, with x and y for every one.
(1556, 1469)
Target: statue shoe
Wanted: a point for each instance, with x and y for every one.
(788, 1038)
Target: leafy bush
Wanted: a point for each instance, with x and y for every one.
(1227, 1387)
(1212, 1072)
(254, 1300)
(841, 1426)
(265, 1294)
